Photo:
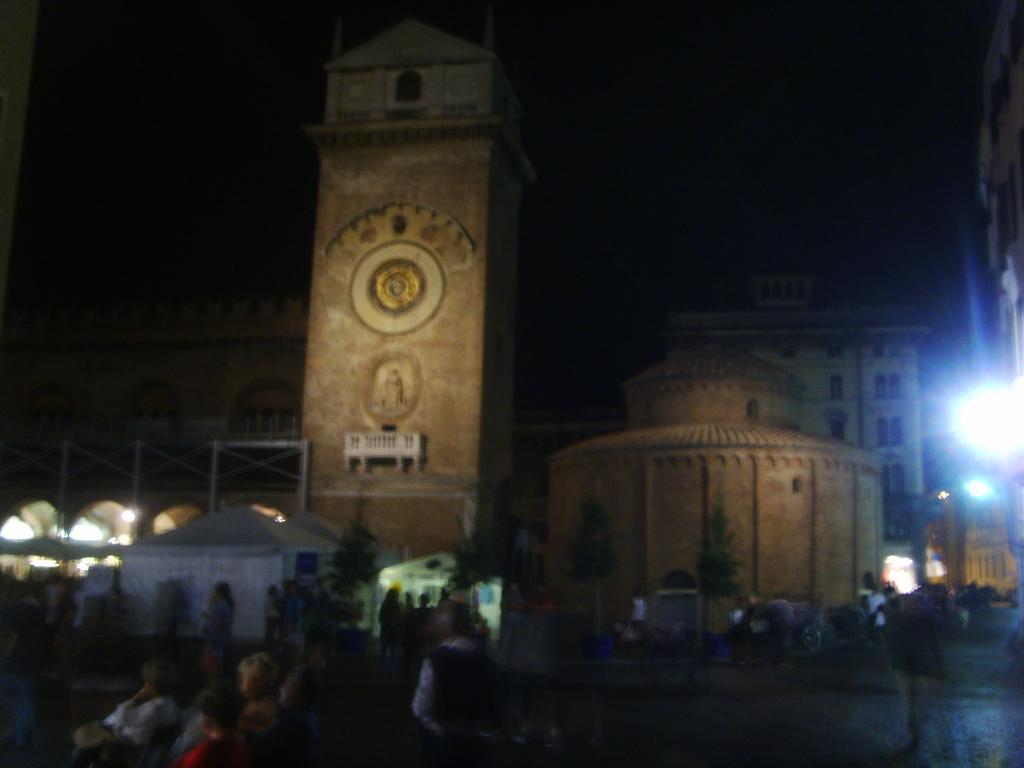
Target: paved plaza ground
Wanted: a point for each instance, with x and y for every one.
(840, 708)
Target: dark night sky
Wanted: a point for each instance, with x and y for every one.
(677, 152)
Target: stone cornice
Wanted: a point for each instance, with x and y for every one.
(382, 134)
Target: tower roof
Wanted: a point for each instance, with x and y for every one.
(409, 43)
(711, 436)
(714, 363)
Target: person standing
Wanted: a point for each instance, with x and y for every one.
(390, 618)
(291, 621)
(220, 617)
(22, 631)
(913, 643)
(456, 694)
(271, 617)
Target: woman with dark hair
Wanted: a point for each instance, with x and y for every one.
(219, 619)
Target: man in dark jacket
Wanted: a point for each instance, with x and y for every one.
(456, 694)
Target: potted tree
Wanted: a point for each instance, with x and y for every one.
(716, 565)
(476, 560)
(591, 559)
(352, 565)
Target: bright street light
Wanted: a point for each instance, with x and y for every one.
(992, 420)
(128, 515)
(979, 489)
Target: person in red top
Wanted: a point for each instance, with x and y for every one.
(220, 707)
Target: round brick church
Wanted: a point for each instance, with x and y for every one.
(711, 427)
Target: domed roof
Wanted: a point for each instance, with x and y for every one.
(715, 363)
(714, 436)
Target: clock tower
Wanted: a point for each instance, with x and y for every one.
(408, 387)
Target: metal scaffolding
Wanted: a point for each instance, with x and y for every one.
(59, 467)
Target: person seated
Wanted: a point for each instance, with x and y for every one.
(132, 723)
(257, 676)
(294, 738)
(220, 708)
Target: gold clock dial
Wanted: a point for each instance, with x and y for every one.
(397, 286)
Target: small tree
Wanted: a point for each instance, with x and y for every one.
(476, 557)
(716, 565)
(591, 557)
(354, 563)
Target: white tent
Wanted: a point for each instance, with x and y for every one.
(176, 571)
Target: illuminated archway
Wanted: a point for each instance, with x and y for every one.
(103, 521)
(175, 517)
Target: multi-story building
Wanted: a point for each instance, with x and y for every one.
(1001, 190)
(859, 371)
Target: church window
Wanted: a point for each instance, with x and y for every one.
(408, 86)
(882, 431)
(878, 350)
(894, 385)
(896, 432)
(837, 427)
(752, 409)
(881, 388)
(835, 350)
(835, 387)
(798, 485)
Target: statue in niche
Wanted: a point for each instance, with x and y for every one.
(392, 392)
(393, 386)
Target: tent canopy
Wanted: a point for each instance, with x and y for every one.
(58, 549)
(245, 527)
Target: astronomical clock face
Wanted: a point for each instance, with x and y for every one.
(397, 287)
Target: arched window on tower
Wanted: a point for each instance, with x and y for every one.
(880, 386)
(752, 409)
(896, 432)
(882, 431)
(835, 387)
(408, 86)
(894, 385)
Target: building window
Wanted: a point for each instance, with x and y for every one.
(896, 432)
(752, 409)
(881, 390)
(408, 86)
(894, 385)
(878, 350)
(882, 431)
(835, 387)
(837, 427)
(798, 485)
(835, 351)
(896, 479)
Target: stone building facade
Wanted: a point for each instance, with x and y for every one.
(858, 369)
(408, 397)
(1001, 193)
(714, 427)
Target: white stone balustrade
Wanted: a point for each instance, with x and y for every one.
(397, 446)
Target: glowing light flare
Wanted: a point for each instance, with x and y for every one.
(84, 530)
(16, 529)
(900, 571)
(128, 515)
(992, 420)
(978, 489)
(942, 495)
(42, 562)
